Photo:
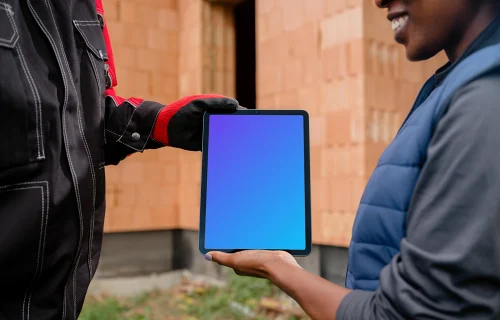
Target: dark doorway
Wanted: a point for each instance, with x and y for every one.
(244, 21)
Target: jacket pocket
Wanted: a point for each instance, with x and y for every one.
(23, 224)
(93, 72)
(20, 105)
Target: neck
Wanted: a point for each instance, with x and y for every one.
(470, 32)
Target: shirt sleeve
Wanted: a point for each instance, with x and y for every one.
(449, 263)
(131, 124)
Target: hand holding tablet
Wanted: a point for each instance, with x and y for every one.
(255, 192)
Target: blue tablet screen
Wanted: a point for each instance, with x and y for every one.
(255, 196)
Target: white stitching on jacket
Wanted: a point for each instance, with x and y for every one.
(33, 88)
(65, 104)
(80, 128)
(43, 231)
(92, 219)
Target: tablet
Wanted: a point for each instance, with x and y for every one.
(255, 188)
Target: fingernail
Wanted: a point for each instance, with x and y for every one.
(208, 257)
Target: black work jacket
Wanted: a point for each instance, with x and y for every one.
(60, 124)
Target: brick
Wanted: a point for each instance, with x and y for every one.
(342, 63)
(330, 227)
(311, 72)
(137, 14)
(385, 124)
(287, 100)
(293, 14)
(338, 127)
(358, 126)
(152, 174)
(353, 18)
(412, 71)
(355, 3)
(168, 20)
(344, 161)
(315, 158)
(339, 194)
(344, 88)
(275, 23)
(310, 99)
(384, 60)
(305, 41)
(329, 101)
(119, 219)
(125, 56)
(111, 10)
(113, 174)
(332, 7)
(334, 159)
(374, 133)
(230, 59)
(329, 60)
(190, 166)
(219, 59)
(319, 195)
(230, 83)
(264, 6)
(313, 10)
(133, 83)
(117, 32)
(156, 60)
(292, 75)
(372, 154)
(357, 62)
(317, 130)
(357, 87)
(331, 34)
(316, 227)
(270, 81)
(357, 168)
(262, 26)
(164, 84)
(136, 36)
(266, 101)
(163, 40)
(169, 4)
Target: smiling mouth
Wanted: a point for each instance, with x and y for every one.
(399, 22)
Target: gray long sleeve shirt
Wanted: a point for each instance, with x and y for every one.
(449, 263)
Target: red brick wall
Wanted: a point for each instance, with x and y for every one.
(334, 58)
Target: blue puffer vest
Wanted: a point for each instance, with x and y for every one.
(380, 223)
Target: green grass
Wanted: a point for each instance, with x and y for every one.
(188, 301)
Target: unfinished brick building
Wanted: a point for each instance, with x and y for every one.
(334, 58)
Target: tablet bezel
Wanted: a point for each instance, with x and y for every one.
(307, 177)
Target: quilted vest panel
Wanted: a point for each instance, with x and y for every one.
(380, 222)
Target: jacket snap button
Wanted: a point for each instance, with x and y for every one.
(136, 136)
(107, 76)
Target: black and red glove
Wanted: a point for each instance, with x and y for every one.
(180, 124)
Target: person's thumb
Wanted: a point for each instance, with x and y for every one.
(219, 257)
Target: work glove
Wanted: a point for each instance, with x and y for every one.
(183, 119)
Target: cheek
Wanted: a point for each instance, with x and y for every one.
(422, 43)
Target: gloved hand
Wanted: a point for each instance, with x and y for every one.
(183, 120)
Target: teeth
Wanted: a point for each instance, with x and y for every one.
(399, 22)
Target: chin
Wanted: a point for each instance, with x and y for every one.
(419, 54)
